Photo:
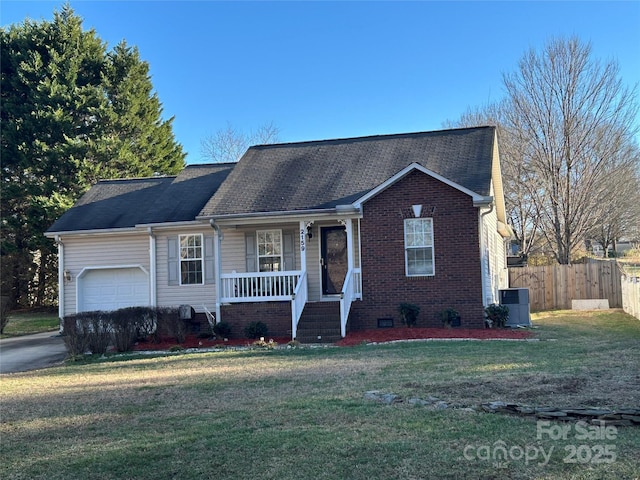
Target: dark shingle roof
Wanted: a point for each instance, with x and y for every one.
(323, 174)
(129, 202)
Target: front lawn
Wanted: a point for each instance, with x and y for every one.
(29, 322)
(302, 413)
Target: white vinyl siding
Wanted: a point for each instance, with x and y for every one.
(493, 250)
(175, 294)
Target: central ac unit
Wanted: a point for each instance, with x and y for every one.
(517, 299)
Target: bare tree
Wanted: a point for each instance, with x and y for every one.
(521, 210)
(570, 117)
(618, 213)
(229, 144)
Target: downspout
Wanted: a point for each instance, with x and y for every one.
(217, 249)
(484, 247)
(61, 280)
(153, 287)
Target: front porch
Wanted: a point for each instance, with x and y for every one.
(297, 262)
(291, 288)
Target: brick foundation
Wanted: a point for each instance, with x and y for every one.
(276, 315)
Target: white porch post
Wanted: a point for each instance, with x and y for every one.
(349, 228)
(303, 246)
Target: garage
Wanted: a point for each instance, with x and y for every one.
(112, 288)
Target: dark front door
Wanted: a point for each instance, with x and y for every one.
(334, 259)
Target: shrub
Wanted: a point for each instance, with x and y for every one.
(450, 317)
(75, 335)
(408, 314)
(100, 331)
(130, 324)
(222, 329)
(496, 315)
(87, 331)
(256, 330)
(169, 323)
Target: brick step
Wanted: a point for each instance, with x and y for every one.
(320, 319)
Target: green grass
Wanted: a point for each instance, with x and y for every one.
(301, 413)
(27, 323)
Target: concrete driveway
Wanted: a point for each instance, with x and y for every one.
(31, 352)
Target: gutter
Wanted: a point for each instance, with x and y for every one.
(485, 287)
(153, 284)
(106, 231)
(61, 280)
(339, 209)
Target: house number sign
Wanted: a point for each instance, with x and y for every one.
(302, 243)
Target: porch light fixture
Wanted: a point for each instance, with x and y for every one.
(67, 275)
(309, 231)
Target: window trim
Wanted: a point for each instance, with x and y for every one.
(200, 259)
(281, 255)
(423, 247)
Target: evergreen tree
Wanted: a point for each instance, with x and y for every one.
(72, 113)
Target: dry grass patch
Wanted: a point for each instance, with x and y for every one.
(292, 414)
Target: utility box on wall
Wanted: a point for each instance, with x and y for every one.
(517, 299)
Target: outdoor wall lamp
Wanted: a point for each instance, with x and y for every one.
(309, 231)
(67, 275)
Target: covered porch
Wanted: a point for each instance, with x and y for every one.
(307, 262)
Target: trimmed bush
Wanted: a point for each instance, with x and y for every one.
(74, 335)
(256, 330)
(408, 314)
(496, 315)
(450, 317)
(169, 323)
(222, 329)
(131, 324)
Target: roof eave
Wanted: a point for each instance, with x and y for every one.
(307, 214)
(101, 231)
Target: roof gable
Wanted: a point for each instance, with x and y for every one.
(477, 199)
(323, 174)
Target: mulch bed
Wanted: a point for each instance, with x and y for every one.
(353, 338)
(393, 334)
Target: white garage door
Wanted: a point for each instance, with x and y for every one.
(112, 288)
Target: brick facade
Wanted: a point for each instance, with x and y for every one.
(457, 281)
(276, 315)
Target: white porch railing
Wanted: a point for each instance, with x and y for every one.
(351, 290)
(258, 286)
(299, 300)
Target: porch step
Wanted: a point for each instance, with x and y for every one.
(320, 323)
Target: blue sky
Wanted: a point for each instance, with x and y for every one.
(321, 70)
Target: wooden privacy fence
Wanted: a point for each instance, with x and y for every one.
(553, 287)
(631, 296)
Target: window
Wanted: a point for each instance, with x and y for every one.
(418, 246)
(191, 259)
(269, 250)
